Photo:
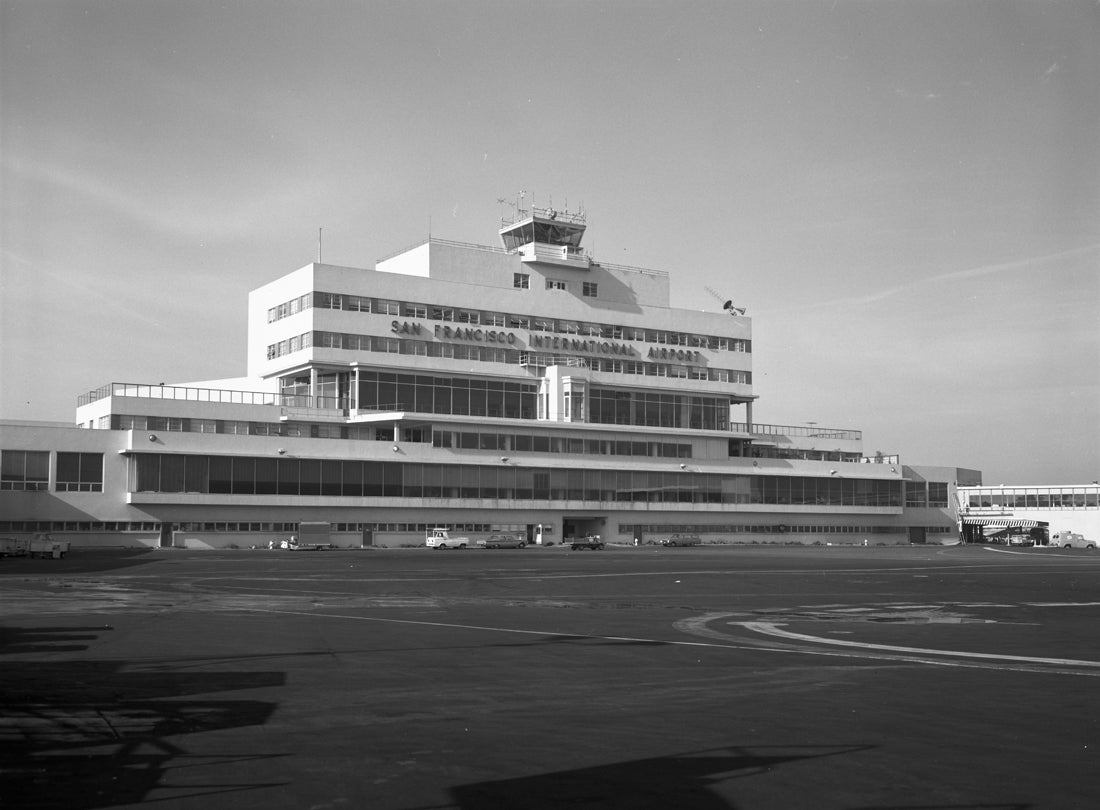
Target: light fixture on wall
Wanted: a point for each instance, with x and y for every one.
(832, 472)
(504, 459)
(396, 449)
(152, 437)
(683, 466)
(756, 464)
(282, 451)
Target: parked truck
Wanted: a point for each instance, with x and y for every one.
(14, 546)
(43, 545)
(591, 542)
(1071, 540)
(39, 545)
(441, 538)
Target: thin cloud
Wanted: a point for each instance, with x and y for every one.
(954, 275)
(185, 219)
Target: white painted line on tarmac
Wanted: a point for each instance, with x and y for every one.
(769, 629)
(698, 625)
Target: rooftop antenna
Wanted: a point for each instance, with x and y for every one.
(727, 305)
(319, 245)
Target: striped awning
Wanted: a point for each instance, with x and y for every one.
(1003, 522)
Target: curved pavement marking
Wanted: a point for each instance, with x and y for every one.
(699, 626)
(1044, 554)
(770, 629)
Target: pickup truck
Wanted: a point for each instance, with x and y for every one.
(503, 541)
(592, 542)
(681, 540)
(441, 539)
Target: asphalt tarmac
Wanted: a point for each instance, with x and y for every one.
(708, 678)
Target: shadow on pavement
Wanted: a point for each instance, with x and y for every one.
(682, 781)
(90, 734)
(80, 561)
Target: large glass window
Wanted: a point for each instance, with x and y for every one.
(937, 494)
(79, 472)
(243, 476)
(25, 470)
(916, 494)
(430, 394)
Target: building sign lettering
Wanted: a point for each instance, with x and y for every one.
(686, 355)
(579, 345)
(536, 341)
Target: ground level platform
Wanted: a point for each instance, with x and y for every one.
(706, 677)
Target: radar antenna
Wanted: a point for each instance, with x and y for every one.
(727, 305)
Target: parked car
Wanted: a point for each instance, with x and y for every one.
(503, 541)
(682, 540)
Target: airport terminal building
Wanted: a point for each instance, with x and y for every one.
(1061, 516)
(522, 388)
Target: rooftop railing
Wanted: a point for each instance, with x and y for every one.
(758, 429)
(181, 393)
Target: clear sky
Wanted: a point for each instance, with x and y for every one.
(904, 195)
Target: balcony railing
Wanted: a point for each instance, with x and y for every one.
(796, 430)
(188, 394)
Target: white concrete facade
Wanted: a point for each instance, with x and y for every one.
(526, 389)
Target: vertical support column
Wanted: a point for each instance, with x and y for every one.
(313, 387)
(748, 416)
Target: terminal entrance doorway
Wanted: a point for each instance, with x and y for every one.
(572, 527)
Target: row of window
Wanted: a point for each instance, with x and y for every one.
(464, 440)
(422, 393)
(374, 479)
(610, 406)
(525, 443)
(323, 430)
(623, 529)
(29, 471)
(490, 354)
(82, 526)
(529, 323)
(1035, 499)
(803, 455)
(650, 530)
(926, 493)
